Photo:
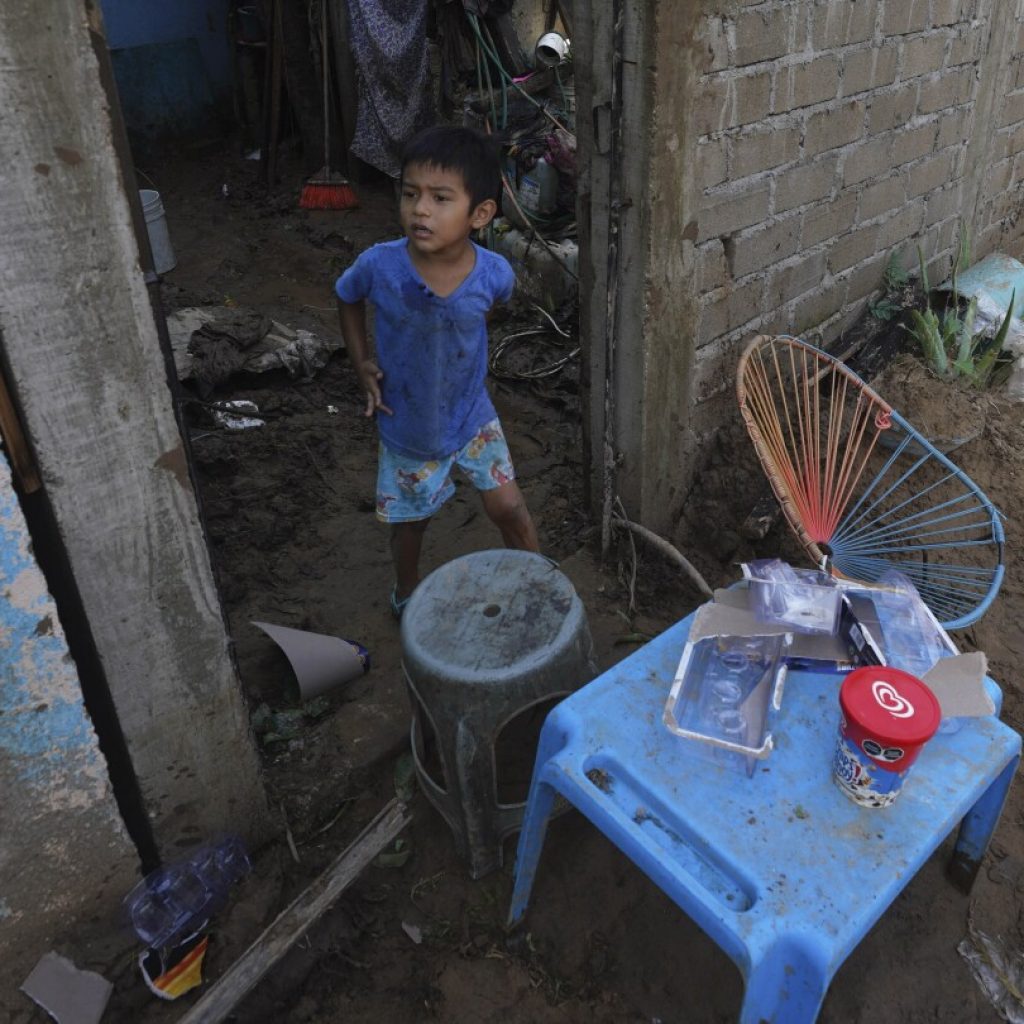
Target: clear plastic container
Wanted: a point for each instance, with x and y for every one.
(807, 600)
(913, 639)
(538, 188)
(173, 902)
(724, 695)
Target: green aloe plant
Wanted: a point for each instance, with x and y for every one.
(948, 341)
(976, 356)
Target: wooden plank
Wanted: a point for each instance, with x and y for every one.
(593, 44)
(564, 11)
(507, 44)
(344, 66)
(292, 923)
(18, 451)
(272, 96)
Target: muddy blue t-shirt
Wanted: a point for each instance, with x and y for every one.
(432, 350)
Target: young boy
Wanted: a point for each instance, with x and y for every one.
(432, 292)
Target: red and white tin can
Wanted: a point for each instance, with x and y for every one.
(887, 717)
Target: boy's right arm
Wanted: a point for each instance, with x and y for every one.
(353, 329)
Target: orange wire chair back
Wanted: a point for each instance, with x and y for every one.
(861, 489)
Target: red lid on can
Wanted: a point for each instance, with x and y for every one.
(891, 705)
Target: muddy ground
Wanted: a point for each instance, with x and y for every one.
(289, 512)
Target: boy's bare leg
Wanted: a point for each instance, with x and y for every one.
(507, 509)
(406, 544)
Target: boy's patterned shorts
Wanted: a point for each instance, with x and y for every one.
(409, 489)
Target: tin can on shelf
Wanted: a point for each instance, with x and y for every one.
(887, 717)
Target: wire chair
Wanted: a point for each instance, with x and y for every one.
(861, 488)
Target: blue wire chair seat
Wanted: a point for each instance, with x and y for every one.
(861, 488)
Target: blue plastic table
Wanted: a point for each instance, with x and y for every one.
(781, 870)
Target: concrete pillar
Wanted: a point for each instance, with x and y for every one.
(665, 457)
(84, 363)
(636, 69)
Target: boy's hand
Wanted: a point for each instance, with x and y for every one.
(369, 374)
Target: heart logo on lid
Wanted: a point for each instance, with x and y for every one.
(890, 699)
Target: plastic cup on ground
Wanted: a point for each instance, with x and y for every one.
(887, 717)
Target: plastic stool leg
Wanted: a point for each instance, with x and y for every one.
(786, 986)
(536, 814)
(976, 830)
(531, 842)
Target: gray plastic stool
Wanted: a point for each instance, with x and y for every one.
(484, 638)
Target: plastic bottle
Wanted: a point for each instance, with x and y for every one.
(538, 189)
(173, 902)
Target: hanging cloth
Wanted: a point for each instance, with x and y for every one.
(389, 44)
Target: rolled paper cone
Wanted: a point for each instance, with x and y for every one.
(320, 662)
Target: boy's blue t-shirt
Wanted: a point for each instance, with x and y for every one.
(432, 350)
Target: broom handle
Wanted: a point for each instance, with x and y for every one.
(323, 62)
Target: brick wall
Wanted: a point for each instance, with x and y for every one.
(831, 132)
(998, 218)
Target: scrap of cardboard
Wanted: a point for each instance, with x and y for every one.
(67, 994)
(959, 684)
(320, 662)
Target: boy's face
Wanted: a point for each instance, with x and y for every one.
(436, 211)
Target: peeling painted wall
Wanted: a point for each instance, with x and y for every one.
(65, 859)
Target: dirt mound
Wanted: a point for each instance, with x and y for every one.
(948, 413)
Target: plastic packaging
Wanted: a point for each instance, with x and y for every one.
(806, 599)
(913, 640)
(538, 189)
(156, 227)
(173, 902)
(544, 273)
(724, 692)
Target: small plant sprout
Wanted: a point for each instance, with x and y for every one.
(894, 280)
(884, 309)
(895, 276)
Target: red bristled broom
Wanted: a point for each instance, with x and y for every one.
(327, 189)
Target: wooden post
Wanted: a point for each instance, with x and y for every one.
(13, 436)
(347, 84)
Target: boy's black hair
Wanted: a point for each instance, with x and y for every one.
(465, 150)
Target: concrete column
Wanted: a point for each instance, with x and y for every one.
(667, 452)
(638, 228)
(86, 368)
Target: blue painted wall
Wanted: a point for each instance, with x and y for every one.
(172, 62)
(65, 857)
